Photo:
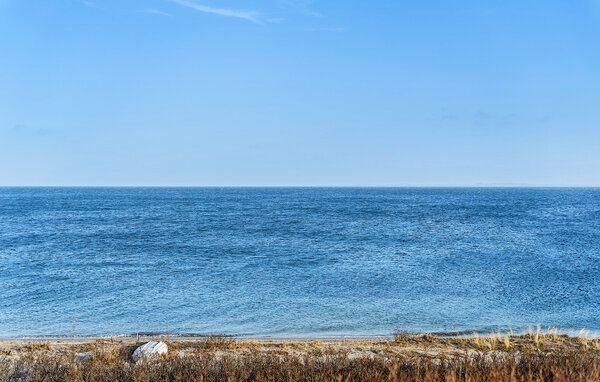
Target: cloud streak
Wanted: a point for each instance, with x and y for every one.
(246, 15)
(302, 6)
(26, 131)
(154, 12)
(89, 4)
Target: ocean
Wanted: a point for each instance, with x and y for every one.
(297, 262)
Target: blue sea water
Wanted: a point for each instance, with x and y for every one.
(297, 261)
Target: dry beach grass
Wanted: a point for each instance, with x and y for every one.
(534, 356)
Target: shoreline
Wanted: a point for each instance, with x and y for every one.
(75, 340)
(572, 333)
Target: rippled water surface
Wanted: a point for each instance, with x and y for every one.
(296, 261)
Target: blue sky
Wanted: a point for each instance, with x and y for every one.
(299, 92)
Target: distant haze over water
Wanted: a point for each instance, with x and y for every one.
(297, 261)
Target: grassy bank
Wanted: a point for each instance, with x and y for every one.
(530, 357)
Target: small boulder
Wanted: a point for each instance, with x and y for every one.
(81, 357)
(149, 351)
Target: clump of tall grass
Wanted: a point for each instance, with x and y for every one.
(549, 339)
(402, 336)
(217, 342)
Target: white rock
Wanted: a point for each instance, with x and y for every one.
(83, 356)
(149, 351)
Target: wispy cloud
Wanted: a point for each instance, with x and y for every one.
(154, 12)
(246, 15)
(301, 6)
(89, 4)
(22, 130)
(494, 117)
(485, 117)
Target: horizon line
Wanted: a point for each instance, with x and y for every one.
(300, 186)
